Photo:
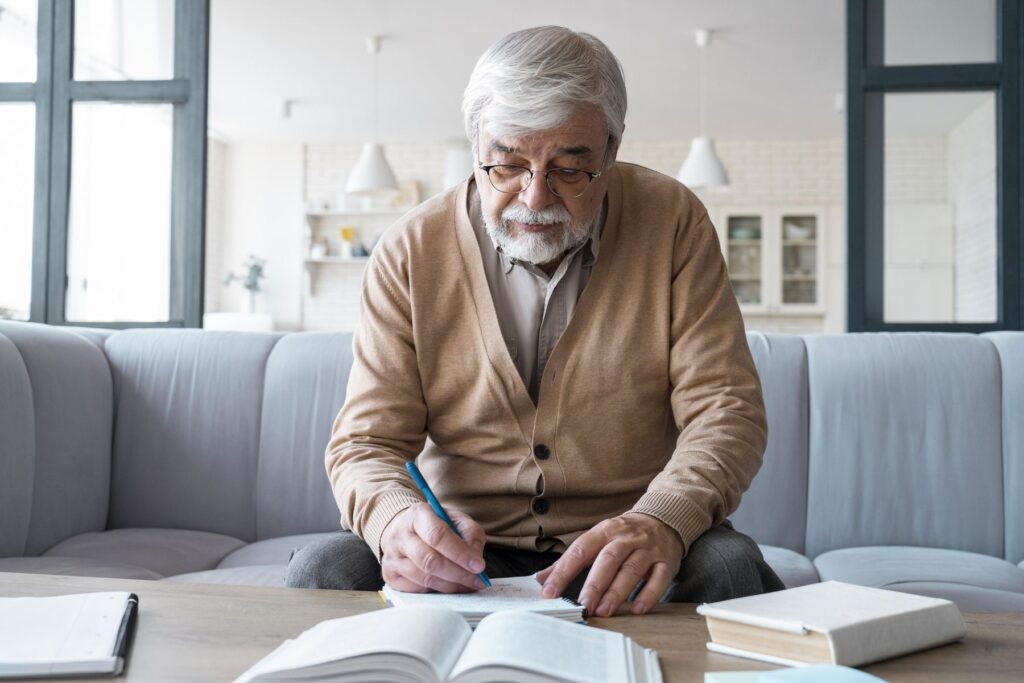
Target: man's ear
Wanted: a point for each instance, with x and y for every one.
(613, 151)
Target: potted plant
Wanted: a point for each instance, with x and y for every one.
(252, 273)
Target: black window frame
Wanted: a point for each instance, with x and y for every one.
(53, 94)
(867, 82)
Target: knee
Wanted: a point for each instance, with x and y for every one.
(724, 564)
(340, 562)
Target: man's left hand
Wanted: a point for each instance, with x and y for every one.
(623, 550)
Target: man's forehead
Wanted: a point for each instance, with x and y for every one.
(575, 145)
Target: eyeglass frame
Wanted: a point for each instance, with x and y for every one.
(591, 175)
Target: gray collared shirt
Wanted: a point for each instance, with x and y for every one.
(533, 309)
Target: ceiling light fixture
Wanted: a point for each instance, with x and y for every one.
(372, 175)
(702, 167)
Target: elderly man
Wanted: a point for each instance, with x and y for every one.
(556, 342)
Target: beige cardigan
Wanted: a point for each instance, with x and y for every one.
(650, 401)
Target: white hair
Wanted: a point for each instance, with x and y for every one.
(533, 80)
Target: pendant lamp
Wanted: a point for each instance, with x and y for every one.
(702, 167)
(372, 175)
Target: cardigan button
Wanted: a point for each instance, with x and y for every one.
(541, 451)
(541, 506)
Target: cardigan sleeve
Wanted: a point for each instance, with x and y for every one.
(715, 393)
(383, 422)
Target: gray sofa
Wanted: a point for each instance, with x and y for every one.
(188, 455)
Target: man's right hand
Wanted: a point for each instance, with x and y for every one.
(419, 553)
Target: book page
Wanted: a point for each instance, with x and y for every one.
(434, 636)
(67, 633)
(519, 592)
(559, 649)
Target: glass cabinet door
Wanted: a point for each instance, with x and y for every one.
(799, 259)
(745, 243)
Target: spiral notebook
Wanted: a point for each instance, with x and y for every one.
(67, 635)
(520, 593)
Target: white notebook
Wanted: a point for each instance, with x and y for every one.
(82, 634)
(514, 593)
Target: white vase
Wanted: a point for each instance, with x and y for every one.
(250, 301)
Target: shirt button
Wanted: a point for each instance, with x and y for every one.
(541, 506)
(541, 451)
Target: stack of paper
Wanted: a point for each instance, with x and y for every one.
(518, 593)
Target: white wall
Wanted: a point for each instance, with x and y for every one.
(262, 215)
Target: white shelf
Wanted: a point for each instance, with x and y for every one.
(358, 212)
(338, 259)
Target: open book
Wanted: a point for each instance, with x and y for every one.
(434, 644)
(83, 634)
(515, 593)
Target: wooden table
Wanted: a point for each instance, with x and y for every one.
(205, 632)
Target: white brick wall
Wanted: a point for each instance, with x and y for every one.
(972, 191)
(763, 173)
(215, 227)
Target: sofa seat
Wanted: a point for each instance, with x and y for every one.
(262, 563)
(75, 566)
(793, 568)
(973, 581)
(165, 552)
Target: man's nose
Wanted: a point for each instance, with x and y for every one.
(538, 195)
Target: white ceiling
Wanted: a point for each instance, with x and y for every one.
(774, 67)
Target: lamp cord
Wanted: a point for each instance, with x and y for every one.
(702, 93)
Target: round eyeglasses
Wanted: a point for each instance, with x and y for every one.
(567, 183)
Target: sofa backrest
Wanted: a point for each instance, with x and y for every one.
(774, 509)
(186, 435)
(905, 442)
(225, 431)
(1010, 346)
(306, 378)
(56, 402)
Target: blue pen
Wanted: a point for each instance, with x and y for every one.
(436, 506)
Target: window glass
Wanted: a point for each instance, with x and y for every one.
(17, 171)
(18, 40)
(940, 208)
(119, 223)
(939, 32)
(124, 40)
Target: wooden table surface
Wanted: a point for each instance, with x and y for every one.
(207, 632)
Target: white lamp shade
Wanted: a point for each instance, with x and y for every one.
(458, 165)
(372, 174)
(702, 167)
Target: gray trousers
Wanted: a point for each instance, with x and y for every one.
(721, 564)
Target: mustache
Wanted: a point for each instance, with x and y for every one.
(548, 216)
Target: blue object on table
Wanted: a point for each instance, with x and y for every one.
(821, 673)
(436, 506)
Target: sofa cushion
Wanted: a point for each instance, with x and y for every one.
(306, 378)
(905, 442)
(898, 566)
(774, 509)
(164, 551)
(271, 551)
(793, 568)
(186, 440)
(1010, 346)
(75, 566)
(71, 412)
(257, 575)
(967, 598)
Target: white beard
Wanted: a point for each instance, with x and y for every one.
(533, 247)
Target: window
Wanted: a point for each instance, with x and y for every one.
(102, 131)
(934, 178)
